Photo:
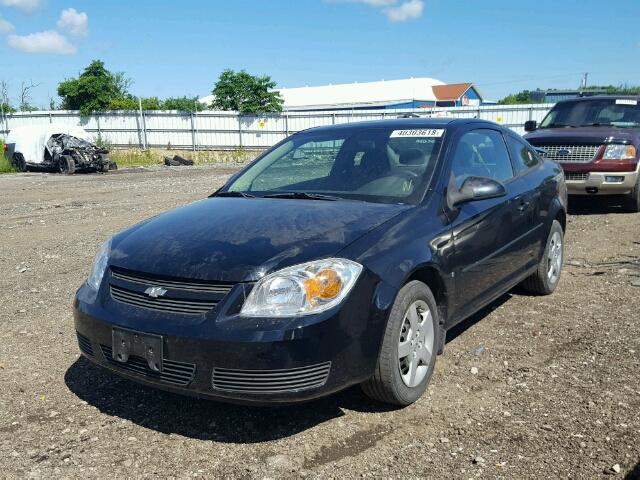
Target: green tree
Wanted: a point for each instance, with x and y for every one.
(517, 98)
(93, 90)
(6, 108)
(246, 93)
(131, 103)
(183, 104)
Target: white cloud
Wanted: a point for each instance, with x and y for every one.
(26, 6)
(393, 9)
(377, 3)
(6, 27)
(49, 41)
(76, 23)
(406, 11)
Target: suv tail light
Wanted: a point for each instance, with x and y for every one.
(6, 147)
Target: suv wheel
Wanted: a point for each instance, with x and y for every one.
(546, 278)
(409, 348)
(66, 165)
(633, 200)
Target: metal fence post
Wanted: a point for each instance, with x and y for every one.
(193, 133)
(286, 124)
(240, 129)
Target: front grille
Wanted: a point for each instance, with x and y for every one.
(190, 286)
(190, 297)
(271, 381)
(570, 153)
(165, 304)
(576, 176)
(173, 372)
(84, 344)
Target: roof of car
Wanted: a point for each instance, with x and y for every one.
(400, 123)
(601, 97)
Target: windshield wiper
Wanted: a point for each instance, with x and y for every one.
(302, 196)
(234, 194)
(597, 124)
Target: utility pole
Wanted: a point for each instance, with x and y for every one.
(584, 80)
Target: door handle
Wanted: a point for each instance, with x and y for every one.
(523, 206)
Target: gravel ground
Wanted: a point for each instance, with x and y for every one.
(531, 387)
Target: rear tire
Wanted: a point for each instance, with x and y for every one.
(18, 162)
(633, 199)
(409, 348)
(66, 165)
(546, 278)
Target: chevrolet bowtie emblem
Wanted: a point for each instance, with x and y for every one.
(155, 292)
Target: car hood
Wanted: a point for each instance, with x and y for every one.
(241, 239)
(581, 136)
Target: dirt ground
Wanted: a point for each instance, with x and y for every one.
(555, 391)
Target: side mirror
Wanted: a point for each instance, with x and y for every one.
(476, 188)
(530, 125)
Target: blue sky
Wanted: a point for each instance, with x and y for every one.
(171, 48)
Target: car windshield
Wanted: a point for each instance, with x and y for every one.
(387, 165)
(594, 113)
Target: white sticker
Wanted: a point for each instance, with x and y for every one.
(422, 132)
(626, 101)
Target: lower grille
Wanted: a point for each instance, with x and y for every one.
(165, 304)
(84, 344)
(271, 381)
(570, 153)
(576, 176)
(173, 372)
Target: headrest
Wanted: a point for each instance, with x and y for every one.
(413, 156)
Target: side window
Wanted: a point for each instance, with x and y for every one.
(523, 157)
(481, 153)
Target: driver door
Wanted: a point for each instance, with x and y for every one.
(484, 231)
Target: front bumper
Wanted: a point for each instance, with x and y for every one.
(243, 361)
(599, 183)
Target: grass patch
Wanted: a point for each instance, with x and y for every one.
(127, 158)
(5, 164)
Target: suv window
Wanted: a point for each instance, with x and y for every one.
(481, 153)
(523, 157)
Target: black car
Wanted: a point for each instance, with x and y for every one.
(340, 256)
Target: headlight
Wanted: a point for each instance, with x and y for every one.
(99, 265)
(302, 289)
(619, 152)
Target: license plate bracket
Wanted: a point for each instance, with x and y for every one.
(145, 345)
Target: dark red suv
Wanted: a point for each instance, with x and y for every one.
(596, 141)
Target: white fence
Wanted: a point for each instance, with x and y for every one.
(228, 130)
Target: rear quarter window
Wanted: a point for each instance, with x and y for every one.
(522, 154)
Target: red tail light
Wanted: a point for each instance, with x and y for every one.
(6, 147)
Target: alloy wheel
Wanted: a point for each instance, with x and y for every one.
(415, 344)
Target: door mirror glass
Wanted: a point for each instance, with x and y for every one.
(477, 188)
(530, 125)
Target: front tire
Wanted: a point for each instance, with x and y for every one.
(66, 165)
(409, 348)
(546, 278)
(18, 162)
(633, 199)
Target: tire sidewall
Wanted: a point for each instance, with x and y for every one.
(549, 286)
(408, 294)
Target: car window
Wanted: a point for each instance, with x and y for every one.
(481, 153)
(381, 164)
(523, 157)
(309, 161)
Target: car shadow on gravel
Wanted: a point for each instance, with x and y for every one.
(596, 205)
(205, 419)
(209, 420)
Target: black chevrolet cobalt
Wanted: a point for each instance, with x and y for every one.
(340, 256)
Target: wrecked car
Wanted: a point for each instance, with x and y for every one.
(62, 148)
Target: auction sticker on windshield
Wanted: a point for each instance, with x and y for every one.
(420, 132)
(625, 101)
